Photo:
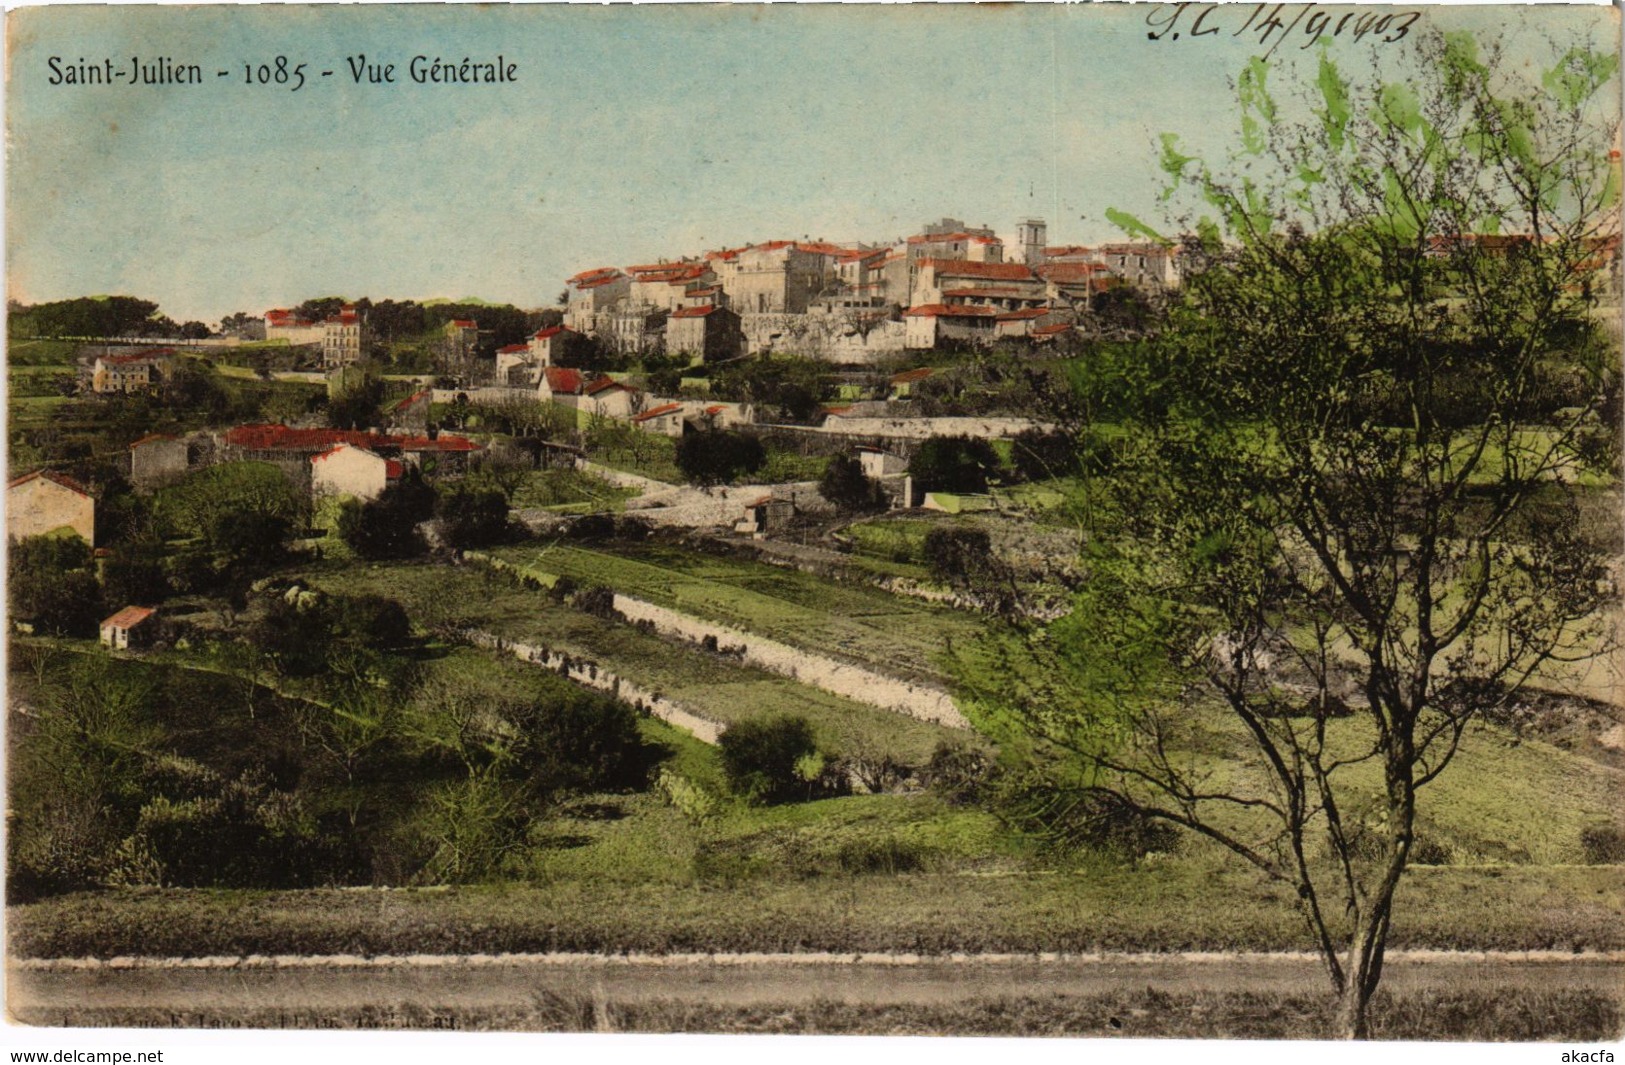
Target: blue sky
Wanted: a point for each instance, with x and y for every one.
(631, 134)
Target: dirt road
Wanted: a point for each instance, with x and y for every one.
(57, 992)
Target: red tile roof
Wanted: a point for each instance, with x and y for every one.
(762, 502)
(692, 312)
(1050, 330)
(464, 323)
(150, 438)
(550, 331)
(986, 271)
(1030, 312)
(604, 384)
(1067, 249)
(563, 379)
(664, 408)
(424, 396)
(598, 282)
(129, 617)
(60, 479)
(513, 349)
(909, 376)
(991, 292)
(946, 238)
(818, 247)
(393, 470)
(140, 356)
(599, 273)
(713, 411)
(282, 438)
(942, 310)
(725, 254)
(1064, 273)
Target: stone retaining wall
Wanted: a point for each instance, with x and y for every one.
(589, 674)
(817, 671)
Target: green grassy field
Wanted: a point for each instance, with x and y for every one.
(41, 352)
(1167, 906)
(897, 635)
(715, 688)
(576, 490)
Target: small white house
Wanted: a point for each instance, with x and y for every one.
(346, 470)
(130, 627)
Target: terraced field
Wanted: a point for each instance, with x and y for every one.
(713, 687)
(899, 636)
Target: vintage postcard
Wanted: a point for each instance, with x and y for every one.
(1091, 521)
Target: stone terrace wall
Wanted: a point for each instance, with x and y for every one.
(589, 674)
(817, 671)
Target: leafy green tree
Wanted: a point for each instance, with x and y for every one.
(1339, 524)
(846, 485)
(50, 584)
(384, 528)
(770, 759)
(718, 456)
(471, 516)
(954, 464)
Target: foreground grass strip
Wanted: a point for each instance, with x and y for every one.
(1191, 907)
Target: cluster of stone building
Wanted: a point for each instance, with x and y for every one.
(848, 302)
(343, 336)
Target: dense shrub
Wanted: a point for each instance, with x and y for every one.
(959, 774)
(592, 527)
(597, 600)
(846, 485)
(1603, 843)
(954, 464)
(771, 759)
(49, 584)
(472, 517)
(953, 553)
(580, 741)
(385, 528)
(1040, 454)
(718, 456)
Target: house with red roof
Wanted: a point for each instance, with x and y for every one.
(412, 413)
(707, 333)
(665, 419)
(929, 324)
(933, 278)
(282, 324)
(47, 503)
(592, 293)
(556, 344)
(560, 384)
(952, 239)
(780, 277)
(608, 398)
(132, 627)
(292, 449)
(515, 366)
(347, 470)
(345, 338)
(139, 371)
